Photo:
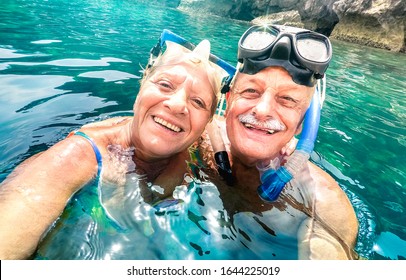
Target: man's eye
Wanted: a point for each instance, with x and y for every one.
(288, 101)
(250, 93)
(288, 98)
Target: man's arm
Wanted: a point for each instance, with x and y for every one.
(332, 231)
(36, 192)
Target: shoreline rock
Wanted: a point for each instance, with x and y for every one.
(376, 23)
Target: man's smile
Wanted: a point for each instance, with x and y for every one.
(269, 126)
(249, 126)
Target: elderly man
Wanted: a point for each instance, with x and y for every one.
(296, 202)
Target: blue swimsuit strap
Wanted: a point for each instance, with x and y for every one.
(95, 149)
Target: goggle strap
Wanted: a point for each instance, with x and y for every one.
(226, 86)
(154, 53)
(318, 76)
(156, 50)
(170, 36)
(167, 35)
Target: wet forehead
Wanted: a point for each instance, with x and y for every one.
(270, 76)
(185, 72)
(276, 78)
(192, 76)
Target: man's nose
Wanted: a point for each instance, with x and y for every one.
(177, 102)
(265, 106)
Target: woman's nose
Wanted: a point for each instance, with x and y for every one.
(177, 102)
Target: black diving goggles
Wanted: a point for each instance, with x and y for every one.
(303, 53)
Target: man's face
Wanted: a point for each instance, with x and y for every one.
(264, 112)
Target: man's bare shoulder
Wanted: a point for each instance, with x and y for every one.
(333, 206)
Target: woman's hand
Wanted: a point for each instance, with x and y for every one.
(290, 147)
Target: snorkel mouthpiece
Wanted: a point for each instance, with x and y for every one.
(273, 182)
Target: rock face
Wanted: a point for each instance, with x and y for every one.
(377, 23)
(215, 7)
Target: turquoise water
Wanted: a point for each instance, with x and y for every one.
(67, 63)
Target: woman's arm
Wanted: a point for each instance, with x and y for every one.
(36, 192)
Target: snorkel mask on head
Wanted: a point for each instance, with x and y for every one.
(222, 71)
(303, 53)
(306, 56)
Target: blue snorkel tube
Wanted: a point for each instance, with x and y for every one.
(273, 180)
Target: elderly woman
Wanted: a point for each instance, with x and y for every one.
(177, 98)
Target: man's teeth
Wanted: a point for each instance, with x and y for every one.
(167, 125)
(270, 131)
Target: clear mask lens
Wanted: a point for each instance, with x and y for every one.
(258, 40)
(312, 49)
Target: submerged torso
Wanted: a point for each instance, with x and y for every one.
(104, 221)
(201, 220)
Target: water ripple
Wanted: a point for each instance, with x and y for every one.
(109, 75)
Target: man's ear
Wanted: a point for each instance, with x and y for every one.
(299, 129)
(227, 95)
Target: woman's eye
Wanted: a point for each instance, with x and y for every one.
(199, 103)
(165, 84)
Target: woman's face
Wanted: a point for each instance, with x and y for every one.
(172, 109)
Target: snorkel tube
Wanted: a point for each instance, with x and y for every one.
(273, 180)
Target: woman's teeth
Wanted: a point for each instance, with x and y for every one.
(167, 125)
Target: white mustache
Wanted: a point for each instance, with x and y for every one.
(271, 124)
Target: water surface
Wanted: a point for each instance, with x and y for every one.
(67, 63)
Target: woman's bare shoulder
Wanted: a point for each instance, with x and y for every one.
(108, 122)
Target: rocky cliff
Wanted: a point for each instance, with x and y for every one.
(377, 23)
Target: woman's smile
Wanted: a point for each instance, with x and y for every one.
(167, 124)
